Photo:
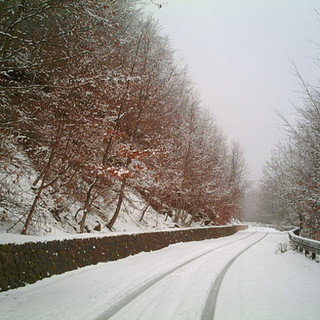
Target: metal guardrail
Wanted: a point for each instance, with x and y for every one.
(308, 246)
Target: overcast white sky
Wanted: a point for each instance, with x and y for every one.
(239, 56)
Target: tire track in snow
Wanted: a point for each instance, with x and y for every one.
(126, 299)
(211, 301)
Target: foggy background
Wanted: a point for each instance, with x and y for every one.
(240, 56)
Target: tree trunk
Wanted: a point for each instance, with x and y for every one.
(184, 217)
(87, 204)
(116, 213)
(177, 216)
(42, 186)
(188, 224)
(121, 194)
(144, 211)
(35, 201)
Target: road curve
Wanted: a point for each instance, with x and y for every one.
(175, 283)
(211, 302)
(181, 291)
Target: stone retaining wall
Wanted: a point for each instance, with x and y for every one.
(32, 261)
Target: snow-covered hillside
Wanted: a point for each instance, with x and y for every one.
(17, 194)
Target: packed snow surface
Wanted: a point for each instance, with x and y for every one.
(173, 283)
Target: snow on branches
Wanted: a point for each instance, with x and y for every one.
(91, 91)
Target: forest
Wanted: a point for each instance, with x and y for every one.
(94, 103)
(288, 193)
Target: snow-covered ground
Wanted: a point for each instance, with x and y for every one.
(266, 284)
(173, 283)
(17, 194)
(56, 218)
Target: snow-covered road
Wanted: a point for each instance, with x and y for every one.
(181, 282)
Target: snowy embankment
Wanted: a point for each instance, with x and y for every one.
(17, 194)
(173, 283)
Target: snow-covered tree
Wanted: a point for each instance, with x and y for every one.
(91, 91)
(291, 181)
